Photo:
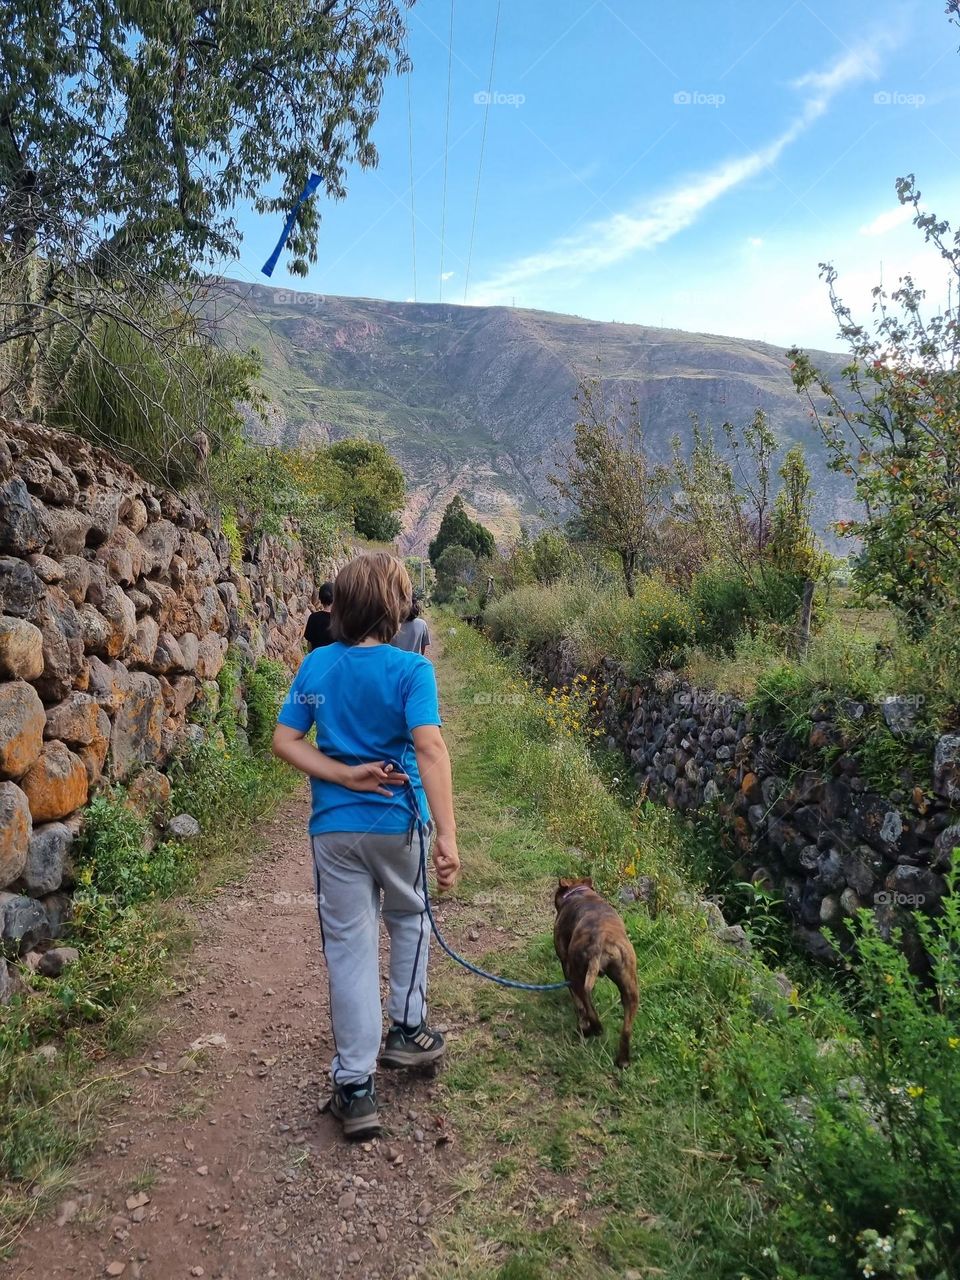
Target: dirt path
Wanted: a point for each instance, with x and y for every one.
(222, 1167)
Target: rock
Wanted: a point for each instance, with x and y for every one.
(23, 922)
(148, 792)
(103, 510)
(734, 935)
(20, 527)
(915, 886)
(74, 720)
(829, 909)
(21, 650)
(143, 647)
(76, 578)
(65, 531)
(15, 830)
(133, 513)
(946, 767)
(46, 569)
(159, 541)
(94, 753)
(47, 857)
(114, 1268)
(943, 847)
(183, 827)
(711, 792)
(54, 961)
(56, 784)
(108, 682)
(58, 908)
(122, 556)
(135, 736)
(22, 721)
(63, 652)
(20, 588)
(211, 655)
(900, 714)
(49, 479)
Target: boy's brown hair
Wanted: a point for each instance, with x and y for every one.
(371, 598)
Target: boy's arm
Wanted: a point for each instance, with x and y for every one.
(433, 762)
(292, 745)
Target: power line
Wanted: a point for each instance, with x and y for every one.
(446, 146)
(483, 140)
(413, 215)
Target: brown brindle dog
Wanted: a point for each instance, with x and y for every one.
(591, 939)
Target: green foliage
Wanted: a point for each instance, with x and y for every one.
(266, 688)
(893, 428)
(147, 125)
(614, 487)
(458, 530)
(356, 478)
(842, 1120)
(114, 858)
(264, 491)
(456, 571)
(550, 557)
(154, 393)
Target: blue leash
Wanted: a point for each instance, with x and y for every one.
(444, 945)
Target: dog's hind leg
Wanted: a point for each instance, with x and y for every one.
(625, 979)
(582, 977)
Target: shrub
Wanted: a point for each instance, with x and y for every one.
(267, 685)
(662, 627)
(530, 618)
(113, 856)
(724, 603)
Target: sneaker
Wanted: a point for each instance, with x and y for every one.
(355, 1106)
(411, 1047)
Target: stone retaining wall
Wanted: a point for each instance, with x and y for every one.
(819, 835)
(118, 602)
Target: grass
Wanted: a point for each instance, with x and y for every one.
(726, 1150)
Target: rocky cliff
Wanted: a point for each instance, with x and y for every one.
(118, 603)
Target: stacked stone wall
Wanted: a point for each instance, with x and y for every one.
(118, 604)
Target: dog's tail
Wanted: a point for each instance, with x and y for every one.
(594, 968)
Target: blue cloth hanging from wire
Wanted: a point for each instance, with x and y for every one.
(310, 187)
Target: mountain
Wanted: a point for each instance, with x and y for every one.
(478, 400)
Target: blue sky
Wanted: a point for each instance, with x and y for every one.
(685, 165)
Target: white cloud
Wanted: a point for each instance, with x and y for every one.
(755, 241)
(885, 222)
(610, 240)
(447, 275)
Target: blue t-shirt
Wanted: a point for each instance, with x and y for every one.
(365, 701)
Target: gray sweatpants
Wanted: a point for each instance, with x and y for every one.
(352, 870)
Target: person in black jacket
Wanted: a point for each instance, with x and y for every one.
(318, 633)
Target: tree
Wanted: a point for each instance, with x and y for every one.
(149, 122)
(894, 427)
(457, 529)
(550, 556)
(358, 479)
(128, 135)
(371, 487)
(456, 568)
(725, 498)
(611, 482)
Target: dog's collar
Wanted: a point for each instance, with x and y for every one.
(577, 888)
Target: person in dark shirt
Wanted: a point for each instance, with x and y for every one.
(318, 633)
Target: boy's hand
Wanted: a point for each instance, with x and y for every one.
(373, 777)
(446, 861)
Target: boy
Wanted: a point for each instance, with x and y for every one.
(375, 711)
(413, 634)
(317, 633)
